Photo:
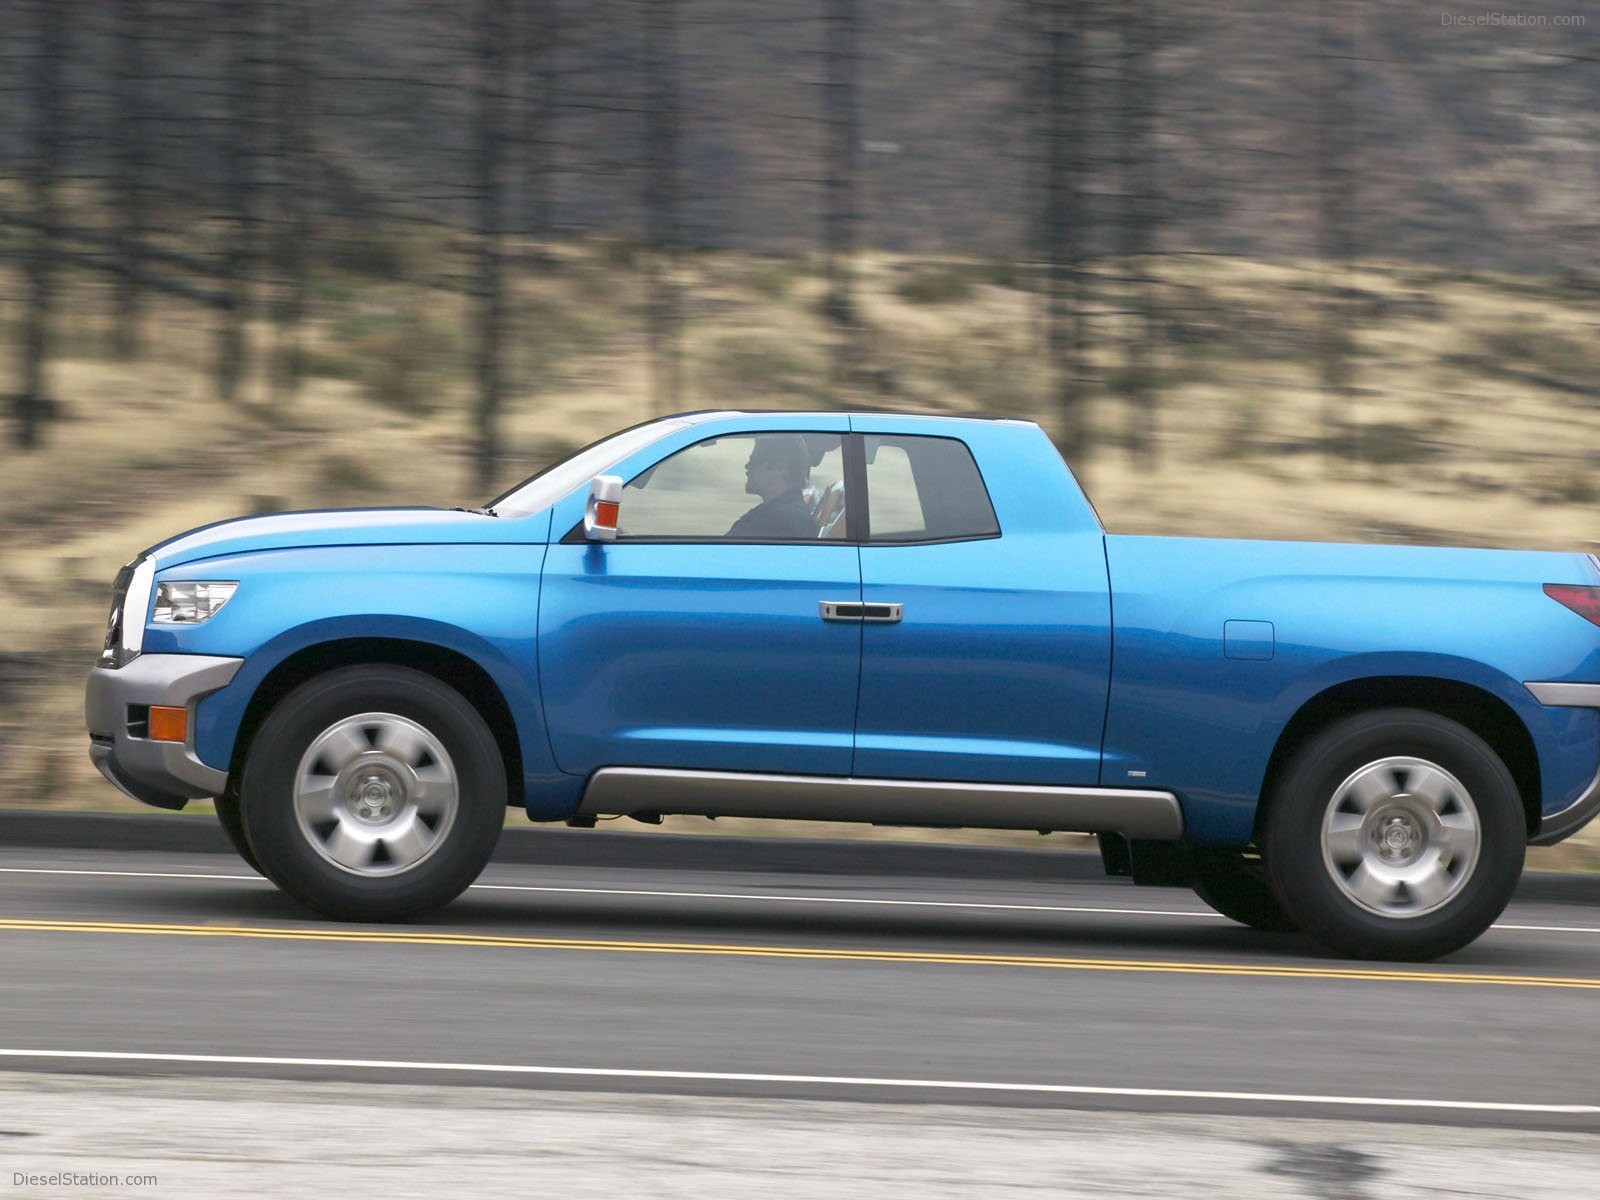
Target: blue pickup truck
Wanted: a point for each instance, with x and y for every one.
(904, 620)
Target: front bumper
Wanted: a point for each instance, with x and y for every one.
(163, 774)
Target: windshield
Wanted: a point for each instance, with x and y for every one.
(556, 480)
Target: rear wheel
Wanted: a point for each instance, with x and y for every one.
(374, 793)
(1235, 884)
(1395, 834)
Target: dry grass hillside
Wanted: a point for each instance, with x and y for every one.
(1473, 418)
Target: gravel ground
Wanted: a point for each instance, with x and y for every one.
(206, 1138)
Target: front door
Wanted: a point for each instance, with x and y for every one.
(697, 639)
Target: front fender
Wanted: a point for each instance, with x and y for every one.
(480, 602)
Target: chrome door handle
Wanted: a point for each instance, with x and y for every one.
(854, 610)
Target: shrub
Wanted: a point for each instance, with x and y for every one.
(342, 476)
(400, 357)
(936, 285)
(743, 364)
(1383, 443)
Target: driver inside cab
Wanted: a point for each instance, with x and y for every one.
(779, 467)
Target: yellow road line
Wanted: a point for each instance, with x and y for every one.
(495, 941)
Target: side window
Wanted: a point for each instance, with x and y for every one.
(925, 489)
(757, 487)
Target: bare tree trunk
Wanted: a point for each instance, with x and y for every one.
(1136, 104)
(1335, 183)
(539, 46)
(537, 43)
(492, 85)
(239, 260)
(32, 405)
(1063, 135)
(130, 171)
(661, 203)
(292, 121)
(841, 111)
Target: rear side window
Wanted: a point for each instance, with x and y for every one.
(925, 489)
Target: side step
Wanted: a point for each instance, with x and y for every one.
(1133, 813)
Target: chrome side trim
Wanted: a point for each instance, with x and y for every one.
(1566, 695)
(1561, 825)
(1134, 813)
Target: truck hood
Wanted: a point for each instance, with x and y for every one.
(343, 527)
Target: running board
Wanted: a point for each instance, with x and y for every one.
(1134, 813)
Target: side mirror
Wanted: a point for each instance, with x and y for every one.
(600, 514)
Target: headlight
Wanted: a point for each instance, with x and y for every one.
(189, 602)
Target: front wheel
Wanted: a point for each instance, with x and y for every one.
(374, 793)
(1395, 834)
(230, 815)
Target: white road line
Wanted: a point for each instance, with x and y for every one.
(578, 891)
(126, 874)
(1545, 928)
(790, 899)
(855, 1081)
(764, 897)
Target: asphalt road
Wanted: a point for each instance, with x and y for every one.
(969, 1014)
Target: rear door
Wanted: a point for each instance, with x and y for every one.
(986, 645)
(697, 639)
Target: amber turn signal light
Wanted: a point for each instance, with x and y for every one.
(168, 724)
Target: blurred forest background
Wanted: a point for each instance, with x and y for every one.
(1321, 270)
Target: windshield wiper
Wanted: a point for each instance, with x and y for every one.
(482, 512)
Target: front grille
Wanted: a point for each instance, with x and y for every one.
(111, 654)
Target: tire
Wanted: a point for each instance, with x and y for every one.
(231, 818)
(1235, 884)
(1395, 834)
(374, 793)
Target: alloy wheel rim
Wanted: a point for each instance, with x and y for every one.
(376, 794)
(1401, 837)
